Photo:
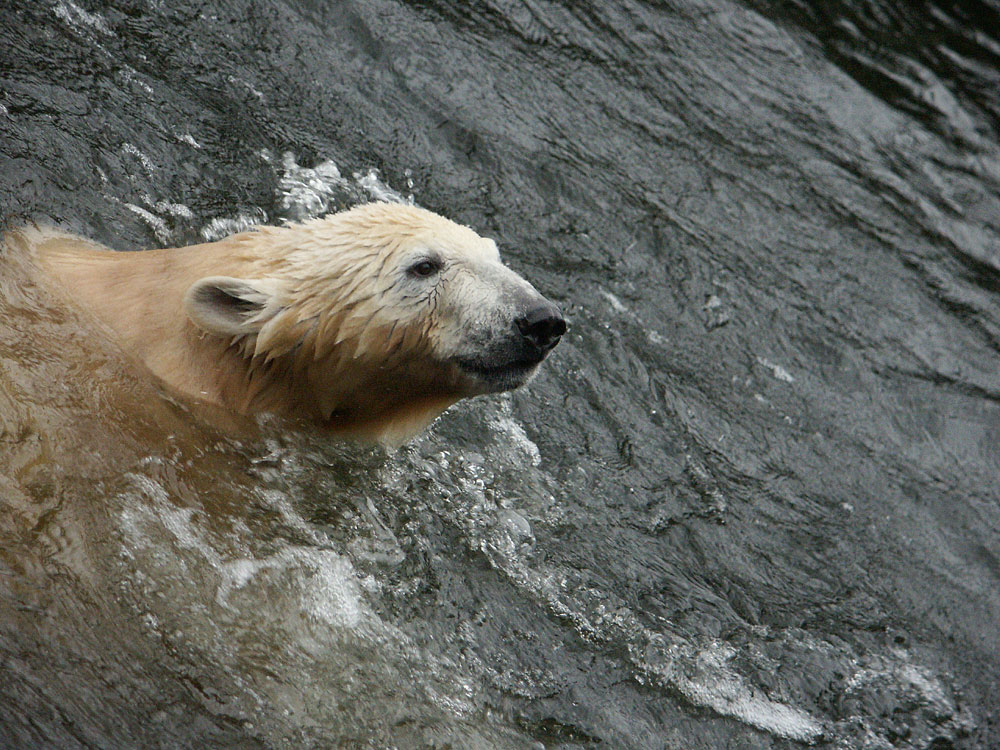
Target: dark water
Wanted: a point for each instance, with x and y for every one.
(750, 502)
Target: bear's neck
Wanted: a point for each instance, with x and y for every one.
(139, 296)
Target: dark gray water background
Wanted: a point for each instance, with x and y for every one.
(750, 502)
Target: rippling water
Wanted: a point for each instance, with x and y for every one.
(752, 499)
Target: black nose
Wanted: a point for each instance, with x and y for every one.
(542, 326)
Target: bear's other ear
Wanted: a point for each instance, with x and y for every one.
(226, 306)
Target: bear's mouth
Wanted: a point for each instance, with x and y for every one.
(504, 376)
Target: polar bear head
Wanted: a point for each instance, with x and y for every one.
(376, 318)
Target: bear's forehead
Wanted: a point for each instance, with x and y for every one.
(457, 241)
(380, 232)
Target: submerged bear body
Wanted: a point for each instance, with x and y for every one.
(369, 322)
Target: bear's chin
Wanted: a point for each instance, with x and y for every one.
(491, 377)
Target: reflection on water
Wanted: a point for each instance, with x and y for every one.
(751, 500)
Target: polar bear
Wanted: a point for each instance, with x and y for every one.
(369, 322)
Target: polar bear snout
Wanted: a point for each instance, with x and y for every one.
(542, 325)
(503, 351)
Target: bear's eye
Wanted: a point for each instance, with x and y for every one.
(425, 268)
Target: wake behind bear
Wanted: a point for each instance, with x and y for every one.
(370, 322)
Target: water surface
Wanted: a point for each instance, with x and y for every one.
(751, 501)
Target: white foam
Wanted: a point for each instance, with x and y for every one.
(189, 139)
(146, 162)
(372, 184)
(616, 304)
(712, 684)
(323, 584)
(925, 683)
(146, 485)
(514, 435)
(305, 193)
(900, 672)
(158, 225)
(332, 594)
(174, 209)
(152, 508)
(236, 575)
(701, 674)
(777, 370)
(258, 94)
(224, 226)
(178, 522)
(328, 590)
(131, 75)
(76, 16)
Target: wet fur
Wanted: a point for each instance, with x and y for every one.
(339, 344)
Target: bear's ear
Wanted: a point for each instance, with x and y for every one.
(226, 306)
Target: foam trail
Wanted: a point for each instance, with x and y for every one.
(700, 672)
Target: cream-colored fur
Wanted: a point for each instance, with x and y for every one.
(320, 321)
